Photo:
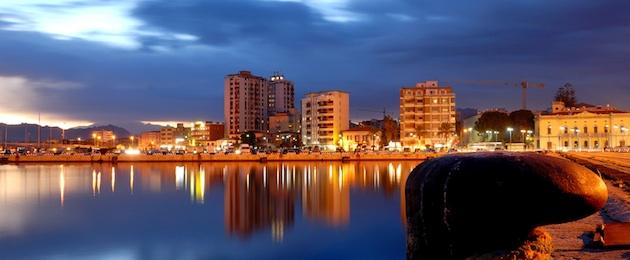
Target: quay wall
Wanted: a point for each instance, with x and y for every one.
(220, 157)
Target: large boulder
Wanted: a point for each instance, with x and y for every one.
(468, 204)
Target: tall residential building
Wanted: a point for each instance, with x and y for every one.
(281, 94)
(245, 103)
(427, 115)
(324, 116)
(582, 128)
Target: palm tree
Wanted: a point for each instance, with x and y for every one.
(445, 130)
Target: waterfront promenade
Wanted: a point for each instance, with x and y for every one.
(221, 157)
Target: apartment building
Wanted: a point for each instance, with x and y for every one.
(245, 104)
(427, 115)
(281, 98)
(324, 116)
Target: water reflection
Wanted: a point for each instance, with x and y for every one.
(270, 197)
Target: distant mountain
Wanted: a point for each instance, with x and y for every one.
(86, 132)
(28, 132)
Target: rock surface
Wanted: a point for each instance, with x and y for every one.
(469, 204)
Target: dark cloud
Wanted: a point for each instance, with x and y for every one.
(388, 45)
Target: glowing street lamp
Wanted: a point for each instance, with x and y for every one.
(131, 138)
(509, 129)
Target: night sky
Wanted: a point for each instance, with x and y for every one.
(123, 61)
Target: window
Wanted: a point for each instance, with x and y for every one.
(586, 130)
(549, 130)
(595, 129)
(585, 144)
(566, 143)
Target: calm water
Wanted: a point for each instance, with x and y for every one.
(203, 211)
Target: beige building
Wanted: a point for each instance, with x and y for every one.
(583, 128)
(427, 115)
(281, 95)
(245, 104)
(104, 138)
(362, 138)
(174, 137)
(149, 140)
(324, 116)
(284, 122)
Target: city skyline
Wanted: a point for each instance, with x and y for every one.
(157, 61)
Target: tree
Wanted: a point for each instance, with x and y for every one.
(445, 130)
(249, 138)
(566, 94)
(391, 131)
(521, 120)
(492, 121)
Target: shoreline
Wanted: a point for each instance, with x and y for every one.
(13, 159)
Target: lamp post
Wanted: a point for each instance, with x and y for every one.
(374, 142)
(577, 138)
(509, 129)
(529, 133)
(114, 140)
(131, 138)
(496, 136)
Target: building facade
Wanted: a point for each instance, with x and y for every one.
(149, 140)
(245, 104)
(174, 137)
(281, 96)
(284, 122)
(584, 128)
(324, 116)
(203, 133)
(427, 115)
(361, 138)
(104, 138)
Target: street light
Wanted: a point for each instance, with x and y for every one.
(496, 136)
(509, 129)
(132, 137)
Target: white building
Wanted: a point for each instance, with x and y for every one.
(582, 128)
(324, 116)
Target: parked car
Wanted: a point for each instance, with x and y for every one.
(244, 149)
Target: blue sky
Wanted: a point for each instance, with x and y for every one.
(121, 61)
